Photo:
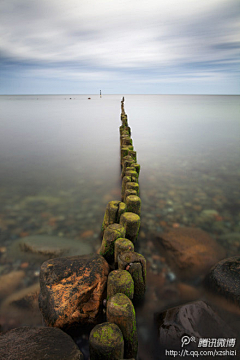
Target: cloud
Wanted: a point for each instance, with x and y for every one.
(109, 39)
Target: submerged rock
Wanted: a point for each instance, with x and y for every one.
(224, 278)
(191, 252)
(10, 282)
(71, 290)
(49, 246)
(27, 343)
(193, 320)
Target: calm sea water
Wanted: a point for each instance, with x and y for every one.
(59, 159)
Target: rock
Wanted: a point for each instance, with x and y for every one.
(22, 306)
(196, 320)
(23, 297)
(45, 246)
(71, 290)
(207, 216)
(190, 251)
(224, 278)
(10, 282)
(38, 343)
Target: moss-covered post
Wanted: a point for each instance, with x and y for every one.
(137, 168)
(124, 152)
(127, 161)
(126, 140)
(125, 129)
(120, 311)
(133, 154)
(131, 173)
(121, 245)
(133, 204)
(113, 212)
(129, 192)
(131, 223)
(106, 342)
(125, 180)
(136, 264)
(120, 281)
(110, 235)
(132, 185)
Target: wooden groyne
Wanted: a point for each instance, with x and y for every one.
(126, 282)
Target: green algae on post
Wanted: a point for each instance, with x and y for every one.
(113, 212)
(120, 311)
(131, 222)
(133, 203)
(129, 192)
(121, 245)
(131, 173)
(125, 180)
(137, 168)
(124, 152)
(136, 264)
(106, 342)
(120, 281)
(122, 208)
(131, 185)
(110, 235)
(133, 154)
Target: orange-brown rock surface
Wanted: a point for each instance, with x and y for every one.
(190, 252)
(71, 290)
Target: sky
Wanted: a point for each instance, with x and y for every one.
(119, 46)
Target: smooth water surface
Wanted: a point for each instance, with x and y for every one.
(59, 159)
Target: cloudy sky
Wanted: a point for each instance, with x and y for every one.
(119, 46)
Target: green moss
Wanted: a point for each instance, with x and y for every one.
(107, 334)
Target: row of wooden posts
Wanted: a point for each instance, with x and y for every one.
(117, 338)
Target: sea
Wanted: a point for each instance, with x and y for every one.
(60, 166)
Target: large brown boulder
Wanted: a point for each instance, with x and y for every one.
(71, 290)
(38, 343)
(191, 252)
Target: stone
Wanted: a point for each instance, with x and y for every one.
(10, 282)
(22, 308)
(71, 290)
(38, 343)
(196, 319)
(224, 279)
(45, 247)
(190, 252)
(207, 216)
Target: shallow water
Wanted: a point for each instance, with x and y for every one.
(59, 160)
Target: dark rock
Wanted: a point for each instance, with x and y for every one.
(190, 252)
(38, 343)
(195, 320)
(224, 278)
(71, 290)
